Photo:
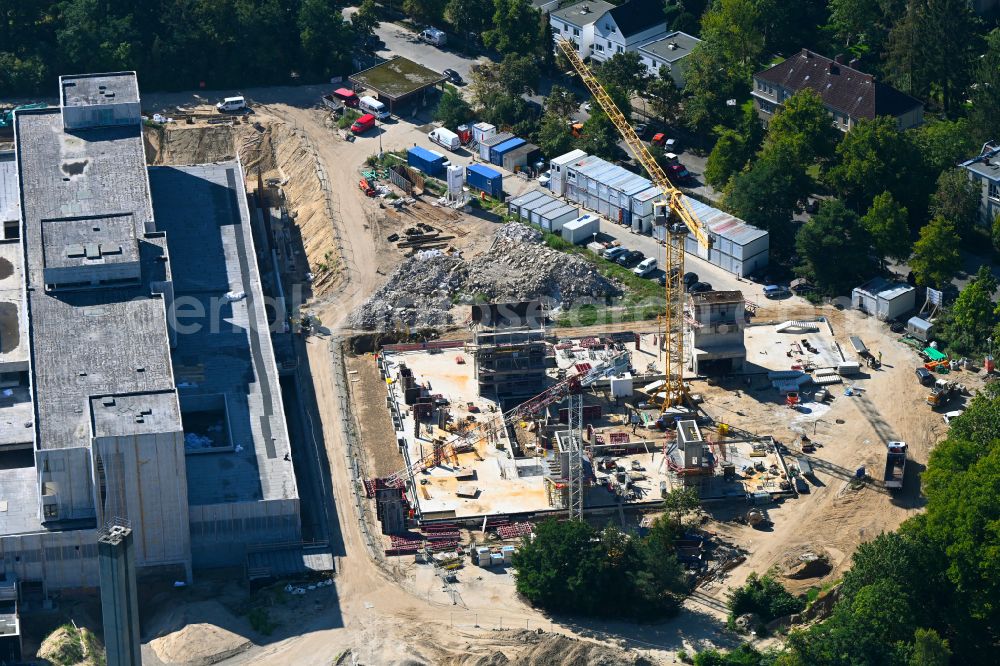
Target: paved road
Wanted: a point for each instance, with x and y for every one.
(400, 41)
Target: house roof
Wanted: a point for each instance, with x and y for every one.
(841, 87)
(987, 163)
(582, 13)
(635, 16)
(671, 48)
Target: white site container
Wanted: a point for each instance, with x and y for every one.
(558, 166)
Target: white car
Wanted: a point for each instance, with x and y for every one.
(545, 179)
(948, 416)
(231, 105)
(645, 267)
(585, 107)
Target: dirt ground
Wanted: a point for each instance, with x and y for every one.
(399, 614)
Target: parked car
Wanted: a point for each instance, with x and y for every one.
(925, 377)
(699, 287)
(645, 267)
(363, 124)
(776, 291)
(812, 206)
(690, 278)
(585, 107)
(347, 96)
(669, 145)
(434, 36)
(453, 76)
(640, 129)
(545, 178)
(679, 174)
(630, 258)
(231, 105)
(612, 253)
(801, 486)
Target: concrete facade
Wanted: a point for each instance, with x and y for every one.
(715, 336)
(134, 333)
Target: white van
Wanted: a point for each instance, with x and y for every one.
(645, 267)
(434, 36)
(445, 138)
(374, 107)
(231, 105)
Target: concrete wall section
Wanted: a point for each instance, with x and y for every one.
(221, 532)
(60, 559)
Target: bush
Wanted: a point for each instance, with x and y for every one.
(763, 596)
(346, 120)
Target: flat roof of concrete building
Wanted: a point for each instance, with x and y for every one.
(718, 297)
(204, 213)
(18, 490)
(13, 323)
(85, 241)
(134, 413)
(96, 89)
(9, 207)
(98, 341)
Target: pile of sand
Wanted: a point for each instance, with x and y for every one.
(198, 633)
(544, 649)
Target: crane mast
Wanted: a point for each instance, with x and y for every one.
(672, 212)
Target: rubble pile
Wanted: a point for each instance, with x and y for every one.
(418, 294)
(517, 267)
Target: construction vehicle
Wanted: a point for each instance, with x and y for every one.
(943, 392)
(366, 187)
(468, 441)
(895, 465)
(672, 213)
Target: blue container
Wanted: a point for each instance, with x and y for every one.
(498, 151)
(483, 178)
(428, 161)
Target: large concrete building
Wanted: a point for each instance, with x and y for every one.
(715, 334)
(139, 379)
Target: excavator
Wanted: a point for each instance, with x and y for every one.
(673, 213)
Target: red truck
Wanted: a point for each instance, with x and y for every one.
(363, 124)
(347, 96)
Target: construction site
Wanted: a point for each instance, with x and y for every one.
(424, 401)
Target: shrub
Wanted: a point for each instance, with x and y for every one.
(765, 597)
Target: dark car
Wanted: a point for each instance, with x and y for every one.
(453, 76)
(897, 326)
(801, 486)
(690, 279)
(630, 258)
(699, 287)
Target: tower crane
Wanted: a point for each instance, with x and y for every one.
(672, 212)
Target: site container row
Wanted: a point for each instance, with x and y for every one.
(543, 210)
(485, 179)
(627, 198)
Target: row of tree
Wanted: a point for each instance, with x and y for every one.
(924, 595)
(176, 44)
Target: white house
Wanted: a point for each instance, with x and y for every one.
(600, 30)
(984, 171)
(576, 23)
(670, 51)
(624, 28)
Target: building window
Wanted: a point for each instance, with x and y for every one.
(576, 32)
(51, 510)
(599, 47)
(621, 50)
(994, 191)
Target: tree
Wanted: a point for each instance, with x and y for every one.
(929, 649)
(467, 16)
(864, 25)
(710, 83)
(932, 47)
(764, 596)
(664, 97)
(886, 223)
(985, 115)
(935, 254)
(561, 102)
(681, 501)
(625, 71)
(956, 200)
(365, 19)
(803, 122)
(325, 36)
(733, 26)
(425, 11)
(553, 567)
(944, 143)
(452, 109)
(554, 137)
(728, 157)
(973, 315)
(599, 135)
(872, 158)
(766, 195)
(995, 233)
(834, 248)
(787, 26)
(515, 28)
(518, 74)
